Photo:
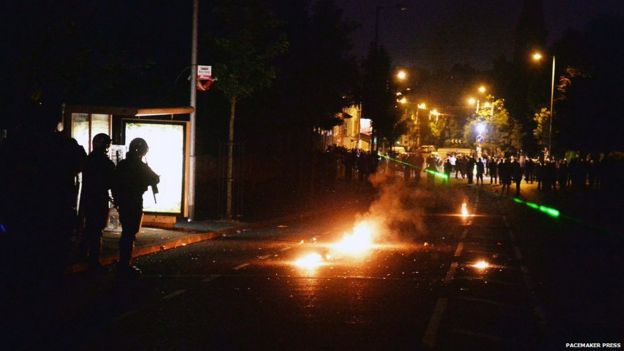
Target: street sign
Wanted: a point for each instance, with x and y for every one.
(204, 72)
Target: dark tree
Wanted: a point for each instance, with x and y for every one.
(378, 95)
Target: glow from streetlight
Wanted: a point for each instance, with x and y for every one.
(537, 56)
(403, 100)
(401, 75)
(481, 127)
(482, 89)
(422, 106)
(471, 101)
(435, 112)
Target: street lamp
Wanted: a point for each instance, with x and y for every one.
(537, 57)
(481, 128)
(472, 101)
(420, 106)
(401, 75)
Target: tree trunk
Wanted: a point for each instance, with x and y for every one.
(230, 161)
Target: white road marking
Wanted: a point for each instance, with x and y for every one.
(434, 323)
(459, 249)
(210, 278)
(241, 266)
(264, 257)
(464, 234)
(285, 249)
(451, 272)
(174, 294)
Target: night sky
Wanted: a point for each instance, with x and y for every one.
(433, 34)
(440, 33)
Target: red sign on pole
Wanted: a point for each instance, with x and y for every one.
(204, 77)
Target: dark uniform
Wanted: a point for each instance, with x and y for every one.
(38, 202)
(131, 179)
(97, 178)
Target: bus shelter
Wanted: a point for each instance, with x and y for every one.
(167, 132)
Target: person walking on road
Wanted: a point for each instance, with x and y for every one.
(97, 178)
(470, 165)
(516, 174)
(504, 171)
(131, 179)
(492, 166)
(480, 170)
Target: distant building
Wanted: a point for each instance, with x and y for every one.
(353, 133)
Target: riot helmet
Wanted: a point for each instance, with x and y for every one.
(139, 147)
(101, 142)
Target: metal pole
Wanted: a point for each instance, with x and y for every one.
(191, 196)
(552, 112)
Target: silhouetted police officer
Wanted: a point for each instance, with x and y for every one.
(38, 192)
(131, 179)
(97, 178)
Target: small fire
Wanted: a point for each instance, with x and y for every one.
(358, 242)
(310, 261)
(481, 265)
(464, 210)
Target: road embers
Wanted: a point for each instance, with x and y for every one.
(486, 301)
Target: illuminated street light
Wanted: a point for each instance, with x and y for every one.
(481, 127)
(401, 75)
(482, 89)
(537, 57)
(403, 100)
(420, 106)
(471, 101)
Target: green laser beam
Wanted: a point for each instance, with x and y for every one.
(398, 161)
(437, 174)
(549, 211)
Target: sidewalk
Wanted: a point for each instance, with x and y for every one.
(150, 240)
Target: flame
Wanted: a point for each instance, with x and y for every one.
(481, 265)
(358, 242)
(310, 261)
(464, 210)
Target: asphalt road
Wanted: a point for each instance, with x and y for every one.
(433, 280)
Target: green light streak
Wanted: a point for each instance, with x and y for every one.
(549, 211)
(554, 213)
(398, 161)
(437, 174)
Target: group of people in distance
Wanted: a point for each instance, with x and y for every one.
(549, 173)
